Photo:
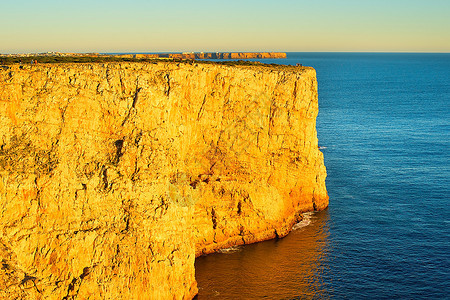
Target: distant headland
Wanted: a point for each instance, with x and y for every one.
(210, 55)
(184, 55)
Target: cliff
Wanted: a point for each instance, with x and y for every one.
(113, 177)
(207, 55)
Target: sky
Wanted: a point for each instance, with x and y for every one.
(32, 26)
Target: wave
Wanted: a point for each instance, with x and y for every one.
(306, 220)
(233, 249)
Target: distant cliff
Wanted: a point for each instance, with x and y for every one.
(209, 55)
(113, 177)
(56, 57)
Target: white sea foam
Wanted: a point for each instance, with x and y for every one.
(230, 250)
(305, 222)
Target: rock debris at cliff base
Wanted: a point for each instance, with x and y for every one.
(115, 176)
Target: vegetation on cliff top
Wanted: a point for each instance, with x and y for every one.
(9, 60)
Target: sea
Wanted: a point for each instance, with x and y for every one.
(383, 127)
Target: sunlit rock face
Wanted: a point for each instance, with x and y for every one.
(114, 177)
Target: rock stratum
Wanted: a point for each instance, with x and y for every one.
(114, 177)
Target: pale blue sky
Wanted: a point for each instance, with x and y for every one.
(246, 25)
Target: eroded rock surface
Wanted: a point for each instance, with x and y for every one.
(114, 177)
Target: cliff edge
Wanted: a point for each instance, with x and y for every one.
(114, 177)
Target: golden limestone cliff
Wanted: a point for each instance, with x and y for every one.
(114, 177)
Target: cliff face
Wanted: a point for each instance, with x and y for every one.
(246, 55)
(113, 177)
(208, 55)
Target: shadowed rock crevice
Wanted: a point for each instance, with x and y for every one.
(213, 218)
(133, 105)
(135, 98)
(119, 146)
(168, 87)
(74, 285)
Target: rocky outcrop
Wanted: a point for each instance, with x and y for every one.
(113, 177)
(246, 55)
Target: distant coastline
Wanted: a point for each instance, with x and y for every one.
(184, 55)
(58, 57)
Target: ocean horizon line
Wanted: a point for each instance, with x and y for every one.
(246, 51)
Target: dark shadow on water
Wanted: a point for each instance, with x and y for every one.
(288, 268)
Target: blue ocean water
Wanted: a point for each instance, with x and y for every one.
(384, 123)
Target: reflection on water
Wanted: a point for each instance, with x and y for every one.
(287, 268)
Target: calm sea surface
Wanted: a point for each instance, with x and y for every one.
(385, 121)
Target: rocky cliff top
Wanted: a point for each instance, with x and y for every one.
(67, 61)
